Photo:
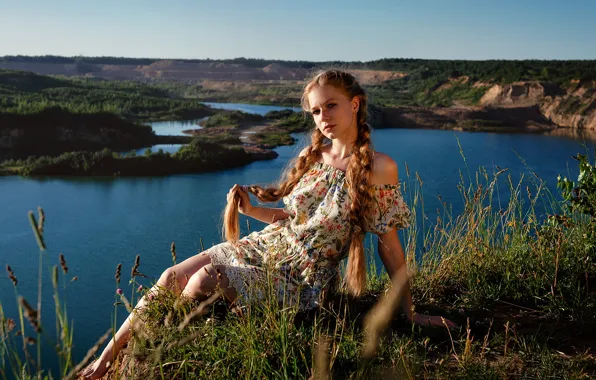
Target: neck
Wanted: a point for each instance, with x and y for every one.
(341, 146)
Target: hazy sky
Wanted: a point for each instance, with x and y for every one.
(301, 30)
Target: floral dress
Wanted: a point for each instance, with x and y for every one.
(299, 256)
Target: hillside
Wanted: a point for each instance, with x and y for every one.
(473, 95)
(54, 130)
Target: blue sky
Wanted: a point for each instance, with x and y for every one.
(301, 30)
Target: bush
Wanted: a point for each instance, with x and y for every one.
(580, 195)
(231, 119)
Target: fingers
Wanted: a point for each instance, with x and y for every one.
(447, 322)
(238, 187)
(437, 321)
(452, 325)
(242, 191)
(231, 192)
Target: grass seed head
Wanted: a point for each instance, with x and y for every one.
(36, 231)
(11, 275)
(42, 219)
(63, 264)
(118, 273)
(10, 324)
(134, 272)
(30, 314)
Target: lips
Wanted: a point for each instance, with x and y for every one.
(328, 127)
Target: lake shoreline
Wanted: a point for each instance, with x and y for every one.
(258, 135)
(258, 151)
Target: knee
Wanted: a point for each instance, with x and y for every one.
(168, 277)
(200, 285)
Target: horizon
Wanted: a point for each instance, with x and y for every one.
(308, 31)
(286, 60)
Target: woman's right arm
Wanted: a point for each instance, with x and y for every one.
(264, 214)
(267, 214)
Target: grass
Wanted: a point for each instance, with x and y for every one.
(232, 119)
(459, 91)
(272, 139)
(520, 285)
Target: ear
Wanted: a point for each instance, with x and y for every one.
(355, 104)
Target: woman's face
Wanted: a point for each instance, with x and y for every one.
(333, 112)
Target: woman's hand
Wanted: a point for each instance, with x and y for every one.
(433, 320)
(245, 207)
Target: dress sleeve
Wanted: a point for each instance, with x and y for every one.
(287, 205)
(387, 210)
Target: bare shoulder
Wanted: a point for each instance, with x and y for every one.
(384, 170)
(303, 151)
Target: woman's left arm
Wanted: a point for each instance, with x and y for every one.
(392, 255)
(390, 248)
(393, 258)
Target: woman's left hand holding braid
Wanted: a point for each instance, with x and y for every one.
(244, 207)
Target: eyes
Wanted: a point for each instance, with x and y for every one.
(329, 106)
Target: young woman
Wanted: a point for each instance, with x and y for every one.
(338, 189)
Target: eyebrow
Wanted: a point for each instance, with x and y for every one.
(326, 101)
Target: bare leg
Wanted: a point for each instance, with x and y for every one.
(205, 281)
(174, 278)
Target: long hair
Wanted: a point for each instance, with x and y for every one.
(358, 174)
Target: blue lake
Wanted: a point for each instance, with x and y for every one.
(250, 108)
(100, 222)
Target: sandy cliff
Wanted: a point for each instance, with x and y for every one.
(572, 107)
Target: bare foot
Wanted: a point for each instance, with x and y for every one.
(95, 370)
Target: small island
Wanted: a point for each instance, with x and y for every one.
(67, 139)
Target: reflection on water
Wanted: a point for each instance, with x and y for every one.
(573, 133)
(166, 148)
(250, 108)
(175, 128)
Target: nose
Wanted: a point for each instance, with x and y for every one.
(324, 114)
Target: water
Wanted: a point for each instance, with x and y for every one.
(175, 128)
(251, 108)
(98, 223)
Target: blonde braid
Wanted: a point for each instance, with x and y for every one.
(359, 173)
(273, 194)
